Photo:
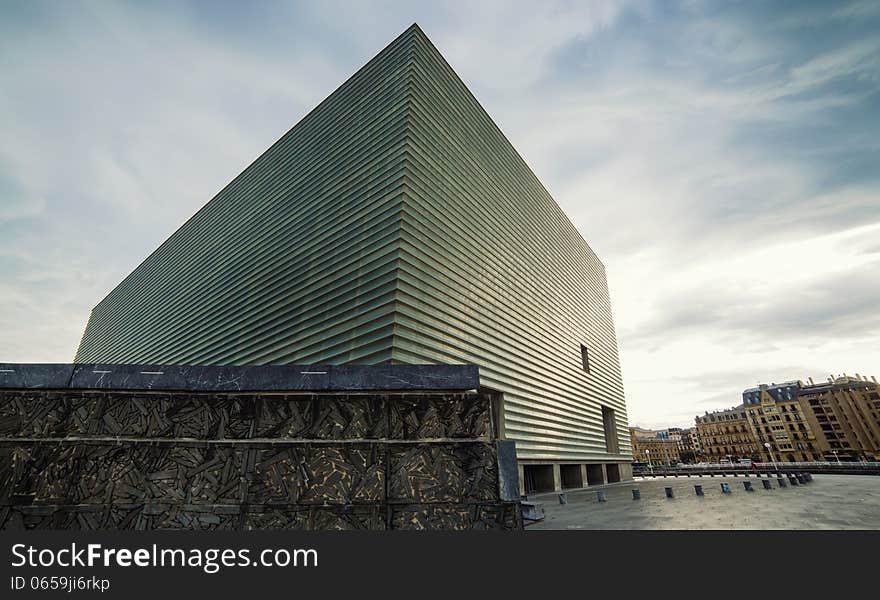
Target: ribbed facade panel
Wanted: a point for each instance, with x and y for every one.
(493, 272)
(294, 261)
(394, 223)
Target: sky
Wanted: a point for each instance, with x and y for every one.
(721, 158)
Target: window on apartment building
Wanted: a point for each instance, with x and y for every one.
(610, 424)
(585, 358)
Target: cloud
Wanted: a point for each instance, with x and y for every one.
(19, 203)
(120, 124)
(759, 294)
(860, 59)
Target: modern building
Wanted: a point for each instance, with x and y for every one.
(726, 435)
(394, 224)
(844, 412)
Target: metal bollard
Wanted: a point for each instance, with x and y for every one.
(563, 498)
(637, 494)
(669, 493)
(781, 481)
(736, 474)
(725, 488)
(767, 485)
(600, 495)
(747, 485)
(698, 490)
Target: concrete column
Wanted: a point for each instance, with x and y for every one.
(522, 480)
(557, 478)
(584, 475)
(604, 473)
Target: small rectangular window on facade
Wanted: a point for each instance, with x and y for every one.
(585, 358)
(610, 425)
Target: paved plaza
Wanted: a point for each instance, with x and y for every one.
(828, 502)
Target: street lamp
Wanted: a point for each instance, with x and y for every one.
(834, 452)
(767, 445)
(650, 466)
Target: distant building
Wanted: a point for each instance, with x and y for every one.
(777, 422)
(726, 434)
(845, 414)
(795, 421)
(655, 447)
(642, 434)
(690, 441)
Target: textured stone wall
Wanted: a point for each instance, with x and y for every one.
(73, 459)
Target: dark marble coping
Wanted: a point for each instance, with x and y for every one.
(275, 378)
(250, 443)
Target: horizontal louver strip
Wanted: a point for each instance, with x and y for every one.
(295, 260)
(510, 284)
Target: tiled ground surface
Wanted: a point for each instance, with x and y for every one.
(828, 502)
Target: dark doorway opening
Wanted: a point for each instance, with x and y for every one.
(538, 478)
(595, 475)
(613, 471)
(571, 476)
(609, 422)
